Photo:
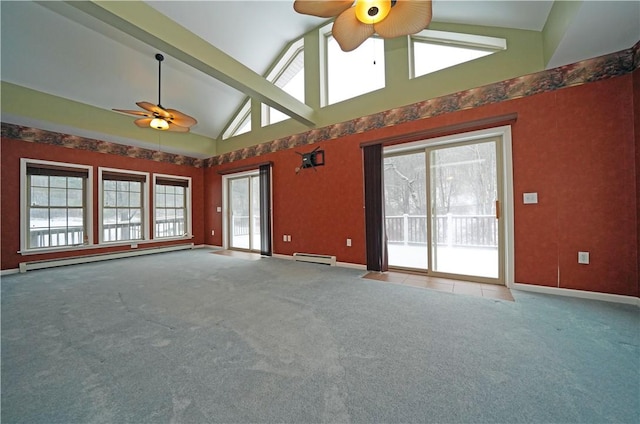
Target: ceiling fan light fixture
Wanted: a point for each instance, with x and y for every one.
(372, 11)
(159, 124)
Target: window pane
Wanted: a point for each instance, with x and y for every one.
(179, 198)
(58, 218)
(109, 198)
(135, 215)
(39, 196)
(58, 196)
(75, 197)
(135, 187)
(76, 218)
(122, 185)
(161, 200)
(122, 199)
(134, 199)
(58, 182)
(353, 73)
(171, 200)
(108, 217)
(39, 218)
(430, 57)
(74, 182)
(109, 185)
(39, 181)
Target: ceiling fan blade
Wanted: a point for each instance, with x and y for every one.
(156, 110)
(177, 128)
(349, 32)
(181, 119)
(323, 9)
(134, 112)
(405, 18)
(143, 122)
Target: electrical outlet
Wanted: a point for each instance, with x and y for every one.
(583, 258)
(349, 242)
(213, 232)
(289, 237)
(134, 245)
(284, 237)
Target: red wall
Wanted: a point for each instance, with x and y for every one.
(575, 147)
(13, 150)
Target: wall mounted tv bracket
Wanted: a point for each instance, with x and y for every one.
(311, 159)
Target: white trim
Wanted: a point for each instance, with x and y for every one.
(145, 205)
(581, 294)
(225, 202)
(28, 266)
(461, 39)
(338, 264)
(88, 203)
(9, 271)
(188, 201)
(503, 133)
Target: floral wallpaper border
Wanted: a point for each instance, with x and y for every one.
(591, 70)
(34, 135)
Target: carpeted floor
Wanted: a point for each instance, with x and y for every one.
(195, 337)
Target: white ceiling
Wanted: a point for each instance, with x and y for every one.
(57, 49)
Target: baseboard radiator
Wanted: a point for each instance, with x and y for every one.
(30, 266)
(316, 259)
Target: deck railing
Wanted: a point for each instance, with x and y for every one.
(240, 224)
(70, 236)
(450, 230)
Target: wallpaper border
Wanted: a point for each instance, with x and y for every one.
(587, 71)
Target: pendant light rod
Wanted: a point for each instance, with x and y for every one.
(159, 58)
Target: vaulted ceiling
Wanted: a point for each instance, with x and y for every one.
(102, 53)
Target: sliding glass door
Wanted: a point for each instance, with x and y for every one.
(244, 212)
(442, 210)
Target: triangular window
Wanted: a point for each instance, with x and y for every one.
(432, 51)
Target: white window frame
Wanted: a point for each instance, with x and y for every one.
(24, 209)
(239, 121)
(188, 205)
(145, 205)
(325, 36)
(454, 39)
(279, 70)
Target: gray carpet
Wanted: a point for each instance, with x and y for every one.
(191, 337)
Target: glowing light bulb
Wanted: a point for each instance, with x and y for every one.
(159, 124)
(372, 11)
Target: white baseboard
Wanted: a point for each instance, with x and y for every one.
(73, 260)
(582, 294)
(340, 264)
(9, 271)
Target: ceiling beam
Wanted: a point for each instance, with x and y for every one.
(155, 29)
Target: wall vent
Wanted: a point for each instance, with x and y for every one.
(313, 258)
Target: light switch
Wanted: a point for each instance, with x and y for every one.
(530, 198)
(219, 209)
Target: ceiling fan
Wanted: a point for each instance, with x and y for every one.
(356, 22)
(157, 117)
